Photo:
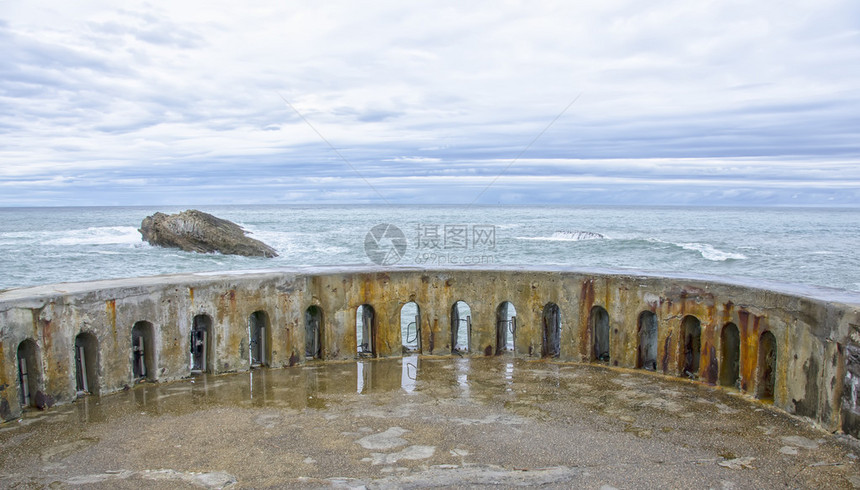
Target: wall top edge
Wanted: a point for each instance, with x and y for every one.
(195, 279)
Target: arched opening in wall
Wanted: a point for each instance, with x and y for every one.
(313, 332)
(29, 373)
(766, 367)
(365, 331)
(551, 331)
(143, 351)
(691, 336)
(730, 358)
(201, 344)
(86, 364)
(260, 340)
(647, 354)
(410, 327)
(461, 326)
(599, 325)
(506, 327)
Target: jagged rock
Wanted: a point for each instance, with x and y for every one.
(196, 231)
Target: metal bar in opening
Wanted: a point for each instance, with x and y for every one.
(262, 345)
(25, 381)
(205, 348)
(82, 365)
(142, 359)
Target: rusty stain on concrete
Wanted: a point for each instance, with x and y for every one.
(809, 323)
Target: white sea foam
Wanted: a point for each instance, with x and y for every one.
(709, 252)
(85, 244)
(16, 234)
(566, 236)
(102, 235)
(291, 243)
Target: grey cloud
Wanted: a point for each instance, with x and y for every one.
(365, 115)
(149, 28)
(146, 103)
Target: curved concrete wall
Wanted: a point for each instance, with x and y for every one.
(815, 332)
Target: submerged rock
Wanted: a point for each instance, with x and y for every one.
(196, 231)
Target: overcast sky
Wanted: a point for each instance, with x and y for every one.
(673, 102)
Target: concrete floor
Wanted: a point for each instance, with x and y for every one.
(424, 422)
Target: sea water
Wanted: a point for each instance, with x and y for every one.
(791, 245)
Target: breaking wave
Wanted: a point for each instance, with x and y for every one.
(706, 250)
(107, 235)
(298, 243)
(102, 235)
(567, 236)
(709, 252)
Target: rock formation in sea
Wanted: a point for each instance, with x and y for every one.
(196, 231)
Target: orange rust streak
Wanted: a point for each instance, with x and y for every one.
(110, 310)
(586, 302)
(780, 391)
(709, 368)
(749, 351)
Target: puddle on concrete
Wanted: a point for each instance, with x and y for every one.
(421, 421)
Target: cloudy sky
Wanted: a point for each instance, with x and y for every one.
(206, 102)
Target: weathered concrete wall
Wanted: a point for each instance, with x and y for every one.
(816, 367)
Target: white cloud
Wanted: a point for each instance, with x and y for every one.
(161, 92)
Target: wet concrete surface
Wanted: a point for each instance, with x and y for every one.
(423, 422)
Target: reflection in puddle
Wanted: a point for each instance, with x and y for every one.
(325, 386)
(312, 386)
(372, 417)
(83, 407)
(409, 373)
(260, 391)
(463, 377)
(379, 375)
(360, 377)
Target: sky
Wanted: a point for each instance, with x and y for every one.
(446, 102)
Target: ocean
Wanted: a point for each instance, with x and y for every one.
(791, 245)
